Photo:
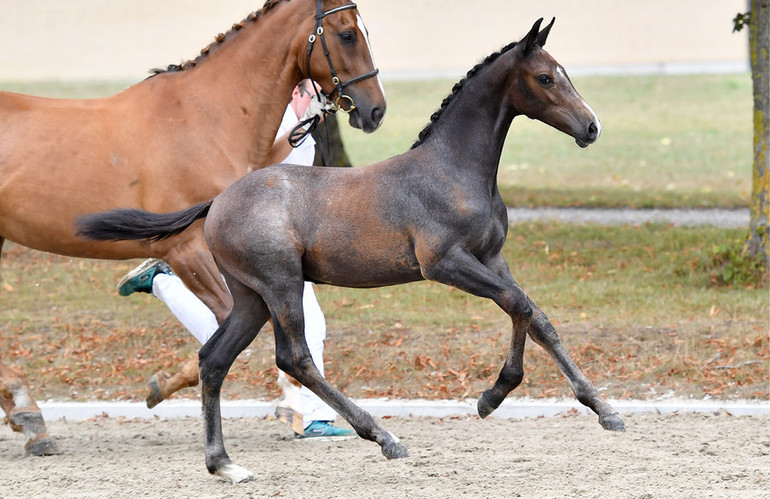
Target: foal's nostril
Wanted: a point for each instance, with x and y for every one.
(592, 131)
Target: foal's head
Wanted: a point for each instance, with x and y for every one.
(348, 74)
(546, 93)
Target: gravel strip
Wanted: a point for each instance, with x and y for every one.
(679, 217)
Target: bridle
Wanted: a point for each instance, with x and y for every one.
(318, 33)
(298, 134)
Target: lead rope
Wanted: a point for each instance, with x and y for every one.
(299, 133)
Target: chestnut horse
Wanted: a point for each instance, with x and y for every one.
(176, 138)
(434, 212)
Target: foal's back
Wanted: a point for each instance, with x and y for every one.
(343, 226)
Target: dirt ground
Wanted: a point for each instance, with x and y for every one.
(679, 455)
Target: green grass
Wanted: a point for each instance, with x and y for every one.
(66, 89)
(636, 307)
(667, 141)
(624, 276)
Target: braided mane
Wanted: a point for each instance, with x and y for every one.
(218, 40)
(425, 133)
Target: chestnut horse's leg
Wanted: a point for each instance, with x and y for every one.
(194, 264)
(542, 331)
(162, 385)
(24, 414)
(22, 411)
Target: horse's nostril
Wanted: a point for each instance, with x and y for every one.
(377, 114)
(592, 131)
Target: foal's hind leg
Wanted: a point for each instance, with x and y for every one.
(24, 414)
(542, 331)
(234, 334)
(293, 357)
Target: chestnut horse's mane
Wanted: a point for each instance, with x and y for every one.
(218, 40)
(425, 133)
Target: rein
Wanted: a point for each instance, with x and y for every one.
(299, 132)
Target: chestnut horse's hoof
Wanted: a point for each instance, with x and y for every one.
(484, 407)
(45, 446)
(613, 422)
(33, 426)
(155, 395)
(392, 448)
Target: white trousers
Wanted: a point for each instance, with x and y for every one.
(201, 322)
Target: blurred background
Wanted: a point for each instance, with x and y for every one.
(649, 311)
(122, 40)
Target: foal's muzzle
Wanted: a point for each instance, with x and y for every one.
(590, 135)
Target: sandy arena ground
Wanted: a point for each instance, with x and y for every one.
(680, 455)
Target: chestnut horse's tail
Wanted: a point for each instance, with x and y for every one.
(131, 224)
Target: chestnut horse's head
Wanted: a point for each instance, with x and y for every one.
(339, 57)
(546, 92)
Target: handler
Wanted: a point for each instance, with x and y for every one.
(155, 277)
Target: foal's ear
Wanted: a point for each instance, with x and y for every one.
(531, 37)
(543, 35)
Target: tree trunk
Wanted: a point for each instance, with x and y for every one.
(759, 47)
(329, 150)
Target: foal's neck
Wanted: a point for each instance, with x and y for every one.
(472, 131)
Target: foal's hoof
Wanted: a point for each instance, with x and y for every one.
(154, 395)
(613, 422)
(42, 447)
(392, 448)
(484, 407)
(235, 473)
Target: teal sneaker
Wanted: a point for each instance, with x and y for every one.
(140, 279)
(324, 429)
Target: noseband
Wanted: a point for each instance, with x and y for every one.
(318, 33)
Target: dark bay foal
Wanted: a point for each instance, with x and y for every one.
(433, 212)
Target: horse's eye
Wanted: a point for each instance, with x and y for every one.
(545, 80)
(348, 37)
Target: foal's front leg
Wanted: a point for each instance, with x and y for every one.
(464, 271)
(542, 331)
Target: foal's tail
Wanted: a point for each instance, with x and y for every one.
(125, 224)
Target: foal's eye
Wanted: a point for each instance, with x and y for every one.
(545, 80)
(348, 37)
